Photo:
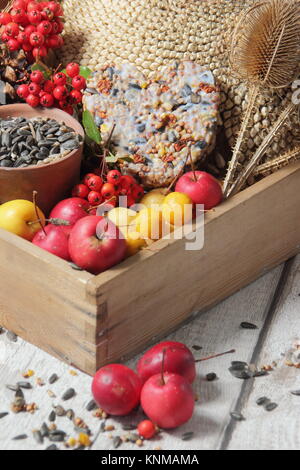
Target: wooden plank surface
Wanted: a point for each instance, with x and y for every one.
(278, 429)
(215, 331)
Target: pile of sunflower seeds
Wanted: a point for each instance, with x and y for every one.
(36, 141)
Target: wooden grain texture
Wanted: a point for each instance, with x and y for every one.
(244, 237)
(278, 429)
(215, 331)
(45, 302)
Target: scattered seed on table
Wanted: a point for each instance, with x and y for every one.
(132, 437)
(187, 436)
(271, 406)
(296, 393)
(2, 415)
(45, 430)
(12, 336)
(196, 347)
(117, 441)
(92, 405)
(20, 437)
(70, 393)
(239, 374)
(238, 365)
(19, 393)
(52, 447)
(237, 416)
(70, 414)
(13, 388)
(129, 427)
(25, 385)
(211, 377)
(262, 401)
(60, 411)
(38, 436)
(260, 373)
(57, 436)
(248, 326)
(53, 378)
(52, 416)
(51, 394)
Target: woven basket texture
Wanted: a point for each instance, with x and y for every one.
(150, 33)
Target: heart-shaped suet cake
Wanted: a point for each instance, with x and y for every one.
(160, 124)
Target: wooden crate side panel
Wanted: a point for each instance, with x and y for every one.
(43, 301)
(245, 238)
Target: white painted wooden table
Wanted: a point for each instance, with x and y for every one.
(272, 303)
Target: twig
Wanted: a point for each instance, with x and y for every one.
(232, 351)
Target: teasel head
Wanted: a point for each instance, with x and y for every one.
(265, 53)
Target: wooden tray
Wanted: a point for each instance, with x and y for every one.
(91, 320)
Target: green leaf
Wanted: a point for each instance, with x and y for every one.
(111, 158)
(42, 68)
(90, 127)
(85, 72)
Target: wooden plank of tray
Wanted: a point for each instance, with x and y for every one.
(152, 293)
(43, 300)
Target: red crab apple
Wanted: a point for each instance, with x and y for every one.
(55, 239)
(71, 210)
(168, 400)
(95, 244)
(116, 389)
(178, 359)
(201, 187)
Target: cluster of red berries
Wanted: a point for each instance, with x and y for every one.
(97, 191)
(62, 90)
(32, 26)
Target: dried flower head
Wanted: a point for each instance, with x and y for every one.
(265, 47)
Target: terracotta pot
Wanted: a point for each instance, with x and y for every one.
(52, 181)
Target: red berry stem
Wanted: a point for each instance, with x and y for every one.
(232, 351)
(163, 366)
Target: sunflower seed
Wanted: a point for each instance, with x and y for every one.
(132, 437)
(260, 373)
(196, 347)
(187, 436)
(20, 437)
(52, 447)
(129, 427)
(271, 406)
(248, 326)
(19, 393)
(70, 393)
(12, 336)
(296, 393)
(70, 414)
(239, 374)
(53, 378)
(38, 436)
(60, 411)
(237, 416)
(2, 415)
(57, 436)
(25, 385)
(117, 441)
(52, 416)
(92, 405)
(44, 430)
(13, 388)
(211, 377)
(239, 365)
(262, 401)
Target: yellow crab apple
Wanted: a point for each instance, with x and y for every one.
(150, 224)
(20, 217)
(135, 242)
(177, 209)
(123, 218)
(154, 197)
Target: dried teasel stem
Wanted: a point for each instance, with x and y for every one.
(265, 53)
(255, 160)
(279, 162)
